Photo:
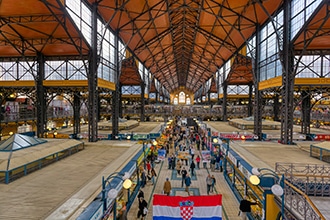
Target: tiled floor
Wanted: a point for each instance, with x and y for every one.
(258, 154)
(198, 187)
(61, 190)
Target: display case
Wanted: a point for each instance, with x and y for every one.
(237, 174)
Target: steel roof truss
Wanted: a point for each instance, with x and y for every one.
(62, 20)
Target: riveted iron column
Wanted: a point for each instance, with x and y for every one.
(257, 130)
(143, 86)
(224, 102)
(287, 79)
(157, 94)
(120, 103)
(76, 113)
(1, 116)
(306, 110)
(92, 81)
(218, 89)
(142, 101)
(250, 105)
(41, 97)
(116, 93)
(276, 107)
(149, 87)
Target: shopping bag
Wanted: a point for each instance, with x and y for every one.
(145, 210)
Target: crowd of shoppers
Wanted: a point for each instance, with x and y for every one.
(184, 146)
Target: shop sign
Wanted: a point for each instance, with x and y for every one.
(322, 137)
(232, 158)
(140, 136)
(237, 136)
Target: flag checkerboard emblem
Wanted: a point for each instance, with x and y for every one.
(186, 212)
(186, 209)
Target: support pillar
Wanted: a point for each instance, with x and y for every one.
(276, 108)
(1, 116)
(224, 102)
(250, 105)
(218, 90)
(92, 81)
(76, 113)
(286, 57)
(41, 97)
(116, 93)
(142, 100)
(306, 110)
(157, 94)
(120, 103)
(257, 130)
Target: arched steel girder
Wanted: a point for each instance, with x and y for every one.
(242, 22)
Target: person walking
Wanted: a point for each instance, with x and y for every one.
(143, 178)
(178, 166)
(198, 160)
(187, 181)
(148, 165)
(153, 175)
(192, 152)
(213, 183)
(140, 194)
(217, 162)
(123, 212)
(169, 159)
(173, 162)
(208, 184)
(143, 208)
(220, 164)
(192, 168)
(245, 207)
(184, 174)
(212, 163)
(167, 187)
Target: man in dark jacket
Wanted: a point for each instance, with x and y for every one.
(187, 181)
(140, 194)
(143, 206)
(192, 168)
(245, 207)
(184, 174)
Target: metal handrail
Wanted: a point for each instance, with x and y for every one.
(315, 212)
(297, 173)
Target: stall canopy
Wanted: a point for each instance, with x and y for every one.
(18, 141)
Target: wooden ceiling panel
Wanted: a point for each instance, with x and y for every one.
(26, 7)
(315, 33)
(38, 26)
(182, 42)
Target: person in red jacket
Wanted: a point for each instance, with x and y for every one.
(148, 165)
(198, 160)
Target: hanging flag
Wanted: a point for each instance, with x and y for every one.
(187, 207)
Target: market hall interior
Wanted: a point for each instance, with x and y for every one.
(80, 72)
(70, 185)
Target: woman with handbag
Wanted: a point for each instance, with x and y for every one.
(143, 208)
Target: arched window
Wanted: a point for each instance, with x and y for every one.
(182, 97)
(175, 102)
(188, 101)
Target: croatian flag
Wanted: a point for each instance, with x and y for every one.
(187, 207)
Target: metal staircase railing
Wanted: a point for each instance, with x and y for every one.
(302, 181)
